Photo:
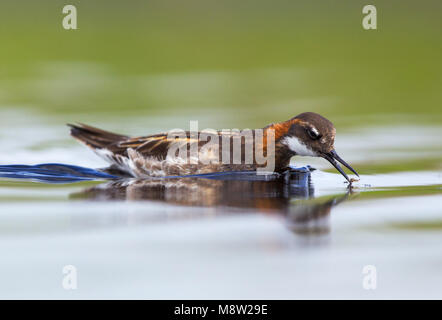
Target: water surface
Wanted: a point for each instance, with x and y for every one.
(205, 238)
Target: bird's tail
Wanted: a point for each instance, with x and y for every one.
(94, 137)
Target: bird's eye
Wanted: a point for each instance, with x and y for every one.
(313, 133)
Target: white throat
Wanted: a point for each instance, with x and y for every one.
(298, 147)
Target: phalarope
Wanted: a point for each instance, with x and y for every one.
(308, 134)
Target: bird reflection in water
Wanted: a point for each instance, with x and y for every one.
(290, 195)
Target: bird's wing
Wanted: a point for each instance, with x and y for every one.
(157, 145)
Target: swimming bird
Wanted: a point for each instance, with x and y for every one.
(185, 153)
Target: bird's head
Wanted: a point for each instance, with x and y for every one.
(310, 134)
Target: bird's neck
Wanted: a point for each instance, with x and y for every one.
(282, 153)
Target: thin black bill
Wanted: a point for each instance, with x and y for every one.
(332, 157)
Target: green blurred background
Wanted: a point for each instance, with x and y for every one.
(139, 67)
(233, 63)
